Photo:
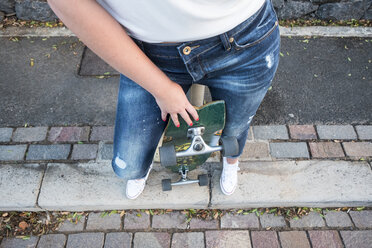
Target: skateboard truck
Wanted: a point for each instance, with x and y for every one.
(168, 155)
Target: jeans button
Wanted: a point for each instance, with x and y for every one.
(231, 39)
(186, 50)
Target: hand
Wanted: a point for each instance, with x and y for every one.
(173, 102)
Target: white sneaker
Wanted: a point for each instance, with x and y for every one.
(136, 186)
(229, 177)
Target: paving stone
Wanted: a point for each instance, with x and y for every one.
(269, 132)
(336, 132)
(289, 150)
(270, 220)
(95, 186)
(102, 133)
(326, 150)
(83, 240)
(294, 239)
(136, 220)
(240, 221)
(12, 152)
(337, 219)
(29, 134)
(169, 220)
(223, 239)
(71, 134)
(84, 151)
(188, 240)
(358, 149)
(357, 239)
(302, 132)
(254, 150)
(261, 239)
(5, 134)
(105, 151)
(71, 226)
(197, 223)
(52, 240)
(47, 152)
(97, 222)
(319, 183)
(151, 239)
(118, 239)
(329, 239)
(313, 219)
(18, 242)
(362, 219)
(364, 132)
(19, 184)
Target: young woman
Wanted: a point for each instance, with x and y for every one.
(162, 47)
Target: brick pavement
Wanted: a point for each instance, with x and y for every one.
(135, 228)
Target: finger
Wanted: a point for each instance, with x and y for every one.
(175, 119)
(186, 117)
(193, 112)
(163, 116)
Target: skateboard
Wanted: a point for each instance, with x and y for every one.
(186, 147)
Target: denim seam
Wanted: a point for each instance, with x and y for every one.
(206, 50)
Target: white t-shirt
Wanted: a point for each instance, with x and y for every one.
(156, 21)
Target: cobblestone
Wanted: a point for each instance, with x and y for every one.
(326, 150)
(105, 151)
(197, 223)
(83, 240)
(224, 239)
(270, 220)
(5, 134)
(99, 221)
(294, 239)
(151, 239)
(68, 226)
(289, 150)
(364, 132)
(29, 134)
(46, 152)
(362, 219)
(17, 243)
(336, 132)
(136, 220)
(337, 219)
(313, 219)
(270, 132)
(12, 152)
(52, 240)
(262, 239)
(254, 150)
(302, 132)
(357, 239)
(240, 221)
(188, 240)
(102, 133)
(169, 220)
(118, 239)
(84, 151)
(329, 239)
(358, 149)
(69, 134)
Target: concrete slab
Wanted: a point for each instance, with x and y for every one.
(314, 183)
(19, 186)
(94, 186)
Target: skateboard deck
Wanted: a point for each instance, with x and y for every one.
(211, 117)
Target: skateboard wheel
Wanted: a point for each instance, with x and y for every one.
(230, 146)
(167, 155)
(166, 184)
(203, 180)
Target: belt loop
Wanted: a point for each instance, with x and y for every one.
(225, 41)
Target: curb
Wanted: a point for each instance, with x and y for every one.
(320, 31)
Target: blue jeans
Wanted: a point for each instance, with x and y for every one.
(238, 66)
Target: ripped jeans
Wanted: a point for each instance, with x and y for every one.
(238, 66)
